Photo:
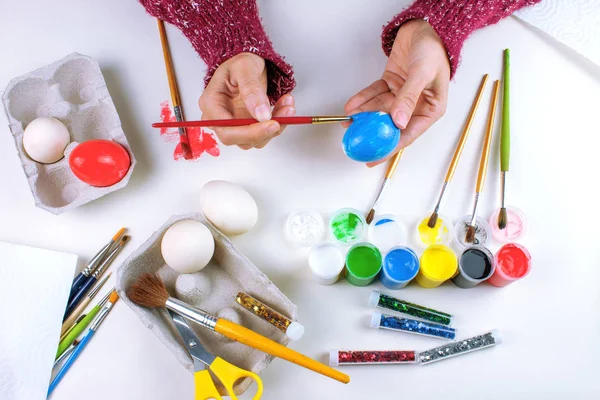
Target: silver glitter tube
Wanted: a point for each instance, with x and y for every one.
(461, 347)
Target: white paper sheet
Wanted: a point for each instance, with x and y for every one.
(574, 23)
(34, 289)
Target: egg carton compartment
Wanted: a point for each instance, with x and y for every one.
(73, 91)
(228, 273)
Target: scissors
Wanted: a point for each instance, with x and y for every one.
(227, 373)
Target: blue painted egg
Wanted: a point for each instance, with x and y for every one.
(371, 136)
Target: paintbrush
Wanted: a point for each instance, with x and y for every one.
(301, 120)
(458, 151)
(505, 138)
(84, 341)
(82, 305)
(66, 353)
(388, 175)
(149, 291)
(82, 322)
(91, 281)
(93, 264)
(177, 109)
(485, 153)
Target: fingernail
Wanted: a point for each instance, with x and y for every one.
(262, 113)
(272, 128)
(288, 101)
(401, 119)
(290, 112)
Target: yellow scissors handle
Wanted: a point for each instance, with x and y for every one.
(229, 374)
(205, 388)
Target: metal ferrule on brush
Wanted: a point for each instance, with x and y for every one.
(100, 317)
(439, 202)
(475, 209)
(380, 193)
(325, 120)
(503, 187)
(195, 314)
(89, 269)
(104, 266)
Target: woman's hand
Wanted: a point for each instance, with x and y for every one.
(238, 89)
(414, 85)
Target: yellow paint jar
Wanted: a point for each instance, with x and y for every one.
(438, 264)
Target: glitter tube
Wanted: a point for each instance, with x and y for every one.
(460, 347)
(360, 357)
(384, 321)
(294, 330)
(381, 300)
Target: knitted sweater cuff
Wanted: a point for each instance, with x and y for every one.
(219, 31)
(452, 20)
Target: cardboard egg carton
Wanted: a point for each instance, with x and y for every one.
(72, 90)
(229, 272)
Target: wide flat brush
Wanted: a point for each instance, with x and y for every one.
(392, 165)
(483, 162)
(149, 291)
(505, 138)
(458, 151)
(300, 120)
(93, 264)
(177, 109)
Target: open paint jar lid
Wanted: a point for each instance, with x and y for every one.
(441, 233)
(347, 226)
(516, 225)
(387, 231)
(304, 227)
(482, 232)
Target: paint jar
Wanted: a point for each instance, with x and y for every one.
(326, 262)
(441, 233)
(304, 227)
(384, 321)
(371, 357)
(516, 225)
(438, 264)
(460, 347)
(513, 262)
(363, 263)
(347, 226)
(400, 266)
(382, 300)
(482, 232)
(387, 231)
(475, 265)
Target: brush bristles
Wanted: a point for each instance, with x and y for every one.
(470, 237)
(114, 296)
(432, 220)
(370, 216)
(118, 235)
(125, 239)
(502, 217)
(148, 291)
(186, 151)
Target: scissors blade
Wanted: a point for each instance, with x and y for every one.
(191, 341)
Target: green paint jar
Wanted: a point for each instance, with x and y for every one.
(347, 226)
(363, 263)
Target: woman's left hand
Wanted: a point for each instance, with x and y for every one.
(414, 86)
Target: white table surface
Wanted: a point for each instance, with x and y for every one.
(549, 320)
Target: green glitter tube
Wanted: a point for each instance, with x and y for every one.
(381, 300)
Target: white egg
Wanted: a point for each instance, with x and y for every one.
(45, 140)
(228, 207)
(187, 246)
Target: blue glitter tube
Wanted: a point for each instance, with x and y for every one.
(391, 322)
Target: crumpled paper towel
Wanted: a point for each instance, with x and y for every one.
(35, 285)
(575, 23)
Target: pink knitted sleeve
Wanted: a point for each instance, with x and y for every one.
(453, 20)
(219, 30)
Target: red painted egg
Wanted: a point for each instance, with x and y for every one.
(99, 163)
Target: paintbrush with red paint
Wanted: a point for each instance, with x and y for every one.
(249, 121)
(177, 110)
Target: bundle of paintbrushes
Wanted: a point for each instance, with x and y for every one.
(86, 279)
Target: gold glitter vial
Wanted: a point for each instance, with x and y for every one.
(294, 330)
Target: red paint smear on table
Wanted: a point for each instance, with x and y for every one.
(200, 141)
(513, 260)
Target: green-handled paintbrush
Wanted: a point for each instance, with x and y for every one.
(505, 138)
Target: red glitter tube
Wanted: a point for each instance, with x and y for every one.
(361, 357)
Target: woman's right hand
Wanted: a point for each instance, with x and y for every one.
(238, 89)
